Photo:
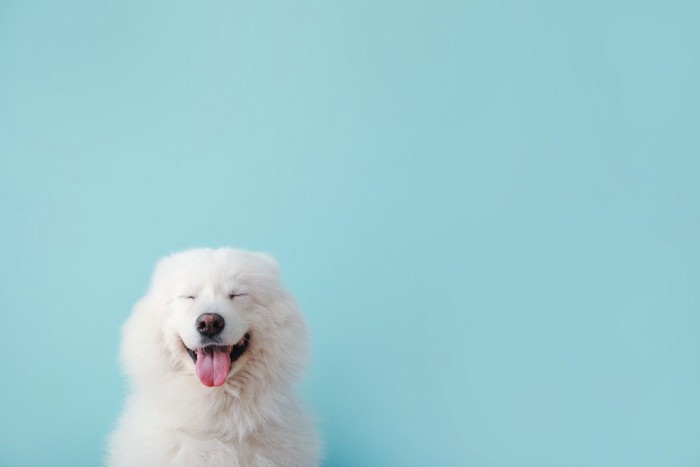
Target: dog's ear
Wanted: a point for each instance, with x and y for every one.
(268, 259)
(164, 268)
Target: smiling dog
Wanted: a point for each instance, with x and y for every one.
(212, 351)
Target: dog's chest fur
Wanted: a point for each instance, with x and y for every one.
(227, 437)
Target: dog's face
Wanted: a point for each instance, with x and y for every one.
(213, 315)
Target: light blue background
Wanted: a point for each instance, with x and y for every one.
(488, 211)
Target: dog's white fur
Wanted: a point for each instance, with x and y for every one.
(254, 418)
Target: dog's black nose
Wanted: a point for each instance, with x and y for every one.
(210, 324)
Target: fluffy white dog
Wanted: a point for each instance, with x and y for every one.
(212, 351)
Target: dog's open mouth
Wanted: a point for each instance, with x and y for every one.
(213, 362)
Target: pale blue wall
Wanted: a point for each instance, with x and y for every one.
(488, 210)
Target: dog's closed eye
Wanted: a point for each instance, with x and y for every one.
(234, 295)
(189, 297)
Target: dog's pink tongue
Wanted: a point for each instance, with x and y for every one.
(212, 366)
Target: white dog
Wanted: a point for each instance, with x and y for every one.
(212, 351)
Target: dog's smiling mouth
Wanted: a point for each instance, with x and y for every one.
(213, 362)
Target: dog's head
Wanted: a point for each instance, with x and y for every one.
(220, 316)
